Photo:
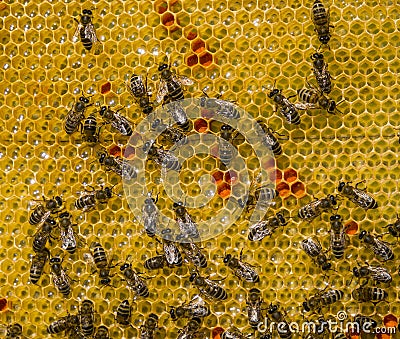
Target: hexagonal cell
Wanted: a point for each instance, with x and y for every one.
(168, 19)
(290, 175)
(351, 227)
(298, 189)
(198, 46)
(224, 190)
(192, 60)
(201, 125)
(283, 189)
(206, 59)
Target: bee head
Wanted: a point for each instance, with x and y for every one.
(124, 267)
(272, 93)
(306, 307)
(324, 39)
(103, 110)
(84, 100)
(163, 67)
(335, 217)
(192, 277)
(55, 260)
(332, 200)
(272, 308)
(227, 258)
(341, 185)
(362, 234)
(326, 266)
(87, 12)
(172, 313)
(317, 56)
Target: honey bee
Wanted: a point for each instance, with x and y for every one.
(365, 323)
(277, 316)
(37, 266)
(161, 157)
(69, 237)
(150, 326)
(261, 194)
(264, 228)
(193, 253)
(63, 324)
(339, 239)
(226, 109)
(254, 310)
(208, 287)
(373, 294)
(394, 229)
(102, 333)
(357, 196)
(234, 333)
(316, 207)
(86, 30)
(77, 113)
(185, 222)
(377, 273)
(87, 317)
(117, 165)
(42, 212)
(156, 263)
(320, 18)
(379, 247)
(150, 215)
(313, 98)
(321, 73)
(169, 134)
(241, 269)
(225, 149)
(90, 130)
(177, 113)
(124, 311)
(195, 308)
(134, 281)
(191, 330)
(269, 140)
(141, 93)
(43, 235)
(90, 199)
(171, 252)
(171, 84)
(285, 107)
(102, 263)
(61, 280)
(322, 299)
(314, 250)
(117, 121)
(14, 331)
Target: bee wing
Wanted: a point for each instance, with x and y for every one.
(67, 238)
(184, 80)
(305, 105)
(311, 247)
(381, 248)
(90, 33)
(120, 123)
(197, 301)
(260, 230)
(362, 198)
(172, 254)
(166, 157)
(246, 271)
(78, 29)
(162, 91)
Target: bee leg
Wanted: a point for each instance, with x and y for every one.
(362, 181)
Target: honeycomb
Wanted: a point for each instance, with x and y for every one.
(231, 47)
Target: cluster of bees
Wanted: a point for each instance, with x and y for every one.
(55, 223)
